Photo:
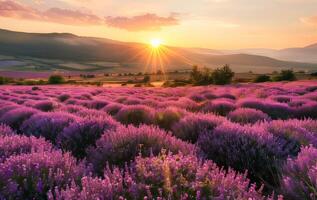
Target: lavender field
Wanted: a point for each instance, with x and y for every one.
(243, 141)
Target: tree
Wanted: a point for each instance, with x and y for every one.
(146, 79)
(198, 77)
(56, 79)
(195, 74)
(5, 80)
(222, 76)
(159, 72)
(285, 75)
(2, 80)
(262, 78)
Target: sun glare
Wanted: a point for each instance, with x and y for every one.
(156, 43)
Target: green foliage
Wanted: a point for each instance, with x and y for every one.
(4, 80)
(175, 83)
(56, 79)
(198, 77)
(146, 79)
(285, 75)
(262, 78)
(219, 76)
(222, 76)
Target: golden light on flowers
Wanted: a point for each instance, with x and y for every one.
(156, 43)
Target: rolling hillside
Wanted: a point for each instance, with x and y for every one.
(63, 51)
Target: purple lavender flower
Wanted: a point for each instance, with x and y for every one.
(190, 127)
(83, 133)
(165, 177)
(245, 148)
(16, 145)
(47, 125)
(113, 108)
(300, 132)
(125, 143)
(218, 106)
(166, 118)
(31, 176)
(247, 116)
(14, 118)
(5, 130)
(135, 115)
(300, 175)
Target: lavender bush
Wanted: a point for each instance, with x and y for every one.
(16, 144)
(300, 132)
(47, 125)
(165, 177)
(14, 118)
(5, 130)
(190, 127)
(247, 116)
(250, 128)
(113, 108)
(135, 115)
(166, 118)
(83, 133)
(219, 107)
(246, 148)
(31, 176)
(299, 176)
(125, 143)
(7, 108)
(45, 105)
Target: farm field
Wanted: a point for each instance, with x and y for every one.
(239, 141)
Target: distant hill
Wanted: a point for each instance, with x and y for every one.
(71, 48)
(301, 54)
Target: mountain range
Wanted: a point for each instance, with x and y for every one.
(64, 51)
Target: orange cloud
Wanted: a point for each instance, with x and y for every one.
(17, 10)
(149, 22)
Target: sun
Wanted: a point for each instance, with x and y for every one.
(156, 43)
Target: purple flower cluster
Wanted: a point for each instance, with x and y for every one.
(66, 142)
(300, 175)
(16, 145)
(192, 126)
(47, 125)
(81, 134)
(300, 132)
(122, 145)
(165, 177)
(135, 115)
(15, 117)
(5, 130)
(244, 148)
(31, 176)
(166, 118)
(247, 116)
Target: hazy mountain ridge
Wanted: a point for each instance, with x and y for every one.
(72, 48)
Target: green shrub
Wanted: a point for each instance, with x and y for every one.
(285, 75)
(56, 79)
(198, 77)
(262, 78)
(222, 76)
(5, 80)
(146, 79)
(219, 76)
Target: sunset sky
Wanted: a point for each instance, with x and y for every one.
(215, 24)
